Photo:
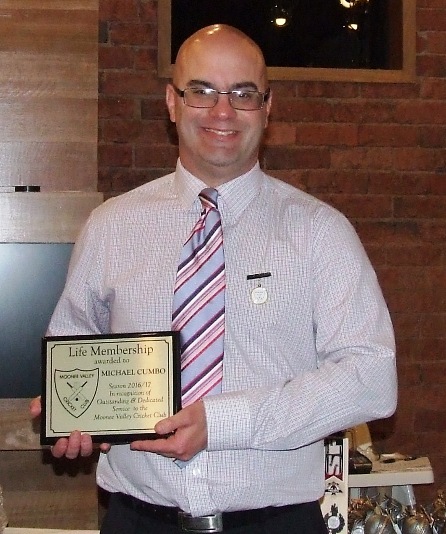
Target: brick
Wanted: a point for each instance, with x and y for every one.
(421, 42)
(288, 110)
(422, 442)
(116, 155)
(345, 181)
(386, 135)
(431, 65)
(431, 19)
(433, 326)
(406, 407)
(421, 301)
(419, 254)
(434, 373)
(435, 43)
(407, 183)
(401, 183)
(126, 180)
(104, 181)
(362, 111)
(122, 10)
(390, 232)
(432, 136)
(409, 373)
(310, 134)
(388, 91)
(132, 34)
(146, 59)
(438, 279)
(362, 158)
(360, 206)
(121, 131)
(429, 420)
(112, 57)
(280, 133)
(295, 158)
(149, 11)
(296, 178)
(404, 277)
(124, 83)
(420, 350)
(420, 112)
(438, 183)
(282, 89)
(419, 159)
(377, 255)
(154, 108)
(407, 325)
(103, 33)
(112, 108)
(433, 88)
(430, 350)
(161, 156)
(433, 231)
(327, 90)
(420, 207)
(430, 4)
(407, 351)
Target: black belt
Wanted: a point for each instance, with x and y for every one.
(210, 523)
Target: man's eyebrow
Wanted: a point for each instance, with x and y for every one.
(239, 85)
(202, 83)
(246, 85)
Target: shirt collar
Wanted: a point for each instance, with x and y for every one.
(235, 195)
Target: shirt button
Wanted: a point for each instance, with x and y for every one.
(196, 471)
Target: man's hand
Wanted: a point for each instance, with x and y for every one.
(188, 434)
(77, 444)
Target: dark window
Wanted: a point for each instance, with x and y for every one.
(317, 33)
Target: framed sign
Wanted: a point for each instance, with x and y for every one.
(114, 387)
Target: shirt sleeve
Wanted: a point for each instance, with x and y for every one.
(355, 378)
(83, 307)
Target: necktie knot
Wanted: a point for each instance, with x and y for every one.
(208, 198)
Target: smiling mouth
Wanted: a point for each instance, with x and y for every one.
(223, 133)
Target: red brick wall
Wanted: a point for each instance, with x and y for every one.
(375, 151)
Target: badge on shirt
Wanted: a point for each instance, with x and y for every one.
(259, 295)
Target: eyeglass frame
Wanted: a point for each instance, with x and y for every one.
(181, 93)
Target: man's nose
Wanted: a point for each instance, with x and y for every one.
(223, 107)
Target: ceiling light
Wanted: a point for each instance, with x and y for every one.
(280, 16)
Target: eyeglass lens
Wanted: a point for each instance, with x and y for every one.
(243, 100)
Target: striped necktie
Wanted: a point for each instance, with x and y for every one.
(199, 304)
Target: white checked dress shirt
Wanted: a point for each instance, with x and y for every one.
(316, 357)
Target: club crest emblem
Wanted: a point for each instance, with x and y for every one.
(76, 389)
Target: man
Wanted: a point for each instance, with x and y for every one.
(308, 346)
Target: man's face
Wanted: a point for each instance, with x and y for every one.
(217, 144)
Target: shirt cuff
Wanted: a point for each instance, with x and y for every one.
(228, 421)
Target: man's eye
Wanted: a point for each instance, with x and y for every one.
(244, 95)
(204, 91)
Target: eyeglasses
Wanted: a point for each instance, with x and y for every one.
(206, 97)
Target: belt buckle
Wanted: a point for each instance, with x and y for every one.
(204, 523)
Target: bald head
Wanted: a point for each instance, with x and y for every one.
(224, 43)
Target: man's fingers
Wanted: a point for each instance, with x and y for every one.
(35, 407)
(58, 450)
(77, 444)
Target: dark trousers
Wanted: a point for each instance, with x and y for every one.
(303, 519)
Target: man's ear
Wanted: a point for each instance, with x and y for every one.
(268, 108)
(170, 101)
